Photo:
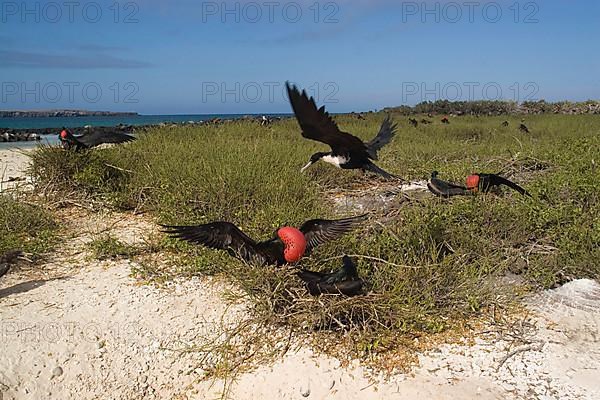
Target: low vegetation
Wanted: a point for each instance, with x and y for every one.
(498, 107)
(25, 227)
(107, 247)
(428, 261)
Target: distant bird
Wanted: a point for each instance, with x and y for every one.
(505, 124)
(523, 128)
(264, 120)
(445, 189)
(413, 122)
(8, 259)
(91, 139)
(348, 151)
(288, 244)
(445, 120)
(343, 281)
(485, 182)
(425, 121)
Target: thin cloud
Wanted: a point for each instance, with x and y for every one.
(9, 58)
(99, 47)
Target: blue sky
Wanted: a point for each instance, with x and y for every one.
(159, 57)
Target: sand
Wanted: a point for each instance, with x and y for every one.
(78, 328)
(13, 163)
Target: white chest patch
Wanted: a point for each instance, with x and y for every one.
(335, 160)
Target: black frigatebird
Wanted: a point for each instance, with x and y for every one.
(287, 245)
(523, 128)
(343, 281)
(445, 189)
(91, 139)
(485, 182)
(348, 151)
(475, 183)
(413, 122)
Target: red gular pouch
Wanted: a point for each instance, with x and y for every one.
(294, 243)
(63, 134)
(473, 183)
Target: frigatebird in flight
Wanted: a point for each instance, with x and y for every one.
(343, 281)
(287, 245)
(347, 151)
(91, 139)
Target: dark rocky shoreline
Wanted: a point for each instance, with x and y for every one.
(36, 134)
(61, 113)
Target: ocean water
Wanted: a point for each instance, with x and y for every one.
(74, 122)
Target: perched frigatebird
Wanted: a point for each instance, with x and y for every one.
(343, 281)
(348, 151)
(413, 122)
(91, 139)
(523, 128)
(485, 182)
(288, 244)
(445, 189)
(475, 183)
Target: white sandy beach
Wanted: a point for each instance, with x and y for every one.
(13, 163)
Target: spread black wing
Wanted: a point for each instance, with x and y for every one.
(319, 231)
(218, 235)
(97, 138)
(385, 135)
(317, 124)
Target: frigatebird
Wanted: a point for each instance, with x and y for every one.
(485, 182)
(475, 183)
(523, 128)
(348, 151)
(91, 139)
(287, 245)
(343, 281)
(445, 189)
(413, 122)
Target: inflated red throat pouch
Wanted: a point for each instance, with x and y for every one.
(473, 182)
(294, 243)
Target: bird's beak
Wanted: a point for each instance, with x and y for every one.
(306, 166)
